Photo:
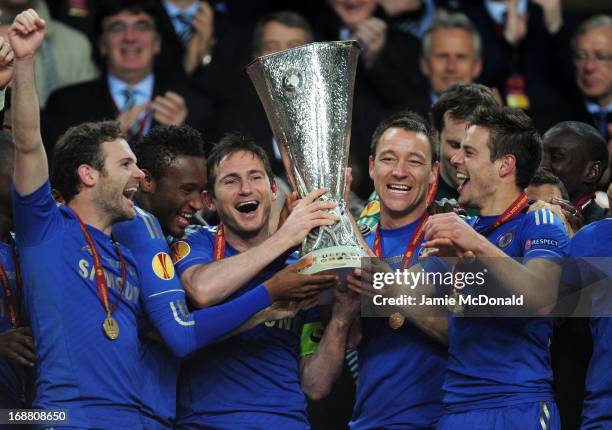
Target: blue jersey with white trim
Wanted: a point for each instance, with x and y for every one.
(496, 362)
(78, 367)
(590, 250)
(400, 371)
(12, 374)
(250, 380)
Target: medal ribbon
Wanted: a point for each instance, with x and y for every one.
(12, 303)
(512, 211)
(583, 202)
(99, 271)
(419, 232)
(219, 249)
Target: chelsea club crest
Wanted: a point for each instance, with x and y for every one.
(505, 239)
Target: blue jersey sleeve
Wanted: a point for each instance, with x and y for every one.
(164, 298)
(543, 236)
(36, 216)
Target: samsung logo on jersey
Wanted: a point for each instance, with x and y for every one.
(540, 242)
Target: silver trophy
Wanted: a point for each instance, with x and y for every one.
(307, 93)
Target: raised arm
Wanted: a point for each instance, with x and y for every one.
(25, 36)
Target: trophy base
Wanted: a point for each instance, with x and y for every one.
(337, 260)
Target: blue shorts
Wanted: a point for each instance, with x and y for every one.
(542, 415)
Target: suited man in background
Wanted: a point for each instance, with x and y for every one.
(130, 90)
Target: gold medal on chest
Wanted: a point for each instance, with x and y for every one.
(110, 327)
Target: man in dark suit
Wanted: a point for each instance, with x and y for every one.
(130, 91)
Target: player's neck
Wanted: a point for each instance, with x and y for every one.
(498, 202)
(242, 242)
(91, 215)
(392, 220)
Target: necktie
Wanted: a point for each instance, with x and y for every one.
(129, 95)
(129, 98)
(186, 27)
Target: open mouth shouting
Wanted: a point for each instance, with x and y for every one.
(462, 180)
(247, 207)
(129, 192)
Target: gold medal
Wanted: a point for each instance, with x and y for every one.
(457, 308)
(110, 327)
(396, 320)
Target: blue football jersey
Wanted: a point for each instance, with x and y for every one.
(248, 381)
(78, 367)
(495, 362)
(400, 371)
(590, 249)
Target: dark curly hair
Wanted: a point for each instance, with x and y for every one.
(80, 145)
(158, 149)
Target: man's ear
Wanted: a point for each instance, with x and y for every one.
(88, 175)
(274, 187)
(507, 166)
(593, 172)
(148, 183)
(209, 201)
(434, 173)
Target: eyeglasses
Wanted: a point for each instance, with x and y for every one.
(582, 57)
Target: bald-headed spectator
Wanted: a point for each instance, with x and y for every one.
(65, 57)
(130, 89)
(577, 154)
